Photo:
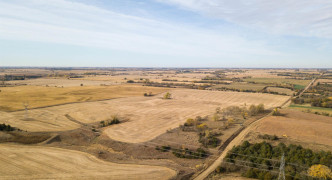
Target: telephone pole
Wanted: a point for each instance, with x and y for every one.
(282, 168)
(26, 105)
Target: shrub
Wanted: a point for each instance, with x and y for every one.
(260, 108)
(276, 112)
(268, 137)
(201, 127)
(163, 148)
(207, 138)
(186, 153)
(167, 95)
(190, 122)
(113, 120)
(4, 127)
(320, 171)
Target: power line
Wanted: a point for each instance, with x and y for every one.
(209, 154)
(235, 160)
(275, 160)
(273, 167)
(282, 168)
(276, 172)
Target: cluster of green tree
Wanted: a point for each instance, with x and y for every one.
(200, 153)
(4, 127)
(237, 90)
(298, 75)
(255, 160)
(234, 114)
(317, 96)
(164, 148)
(167, 96)
(268, 137)
(130, 81)
(250, 90)
(323, 113)
(276, 112)
(326, 102)
(188, 154)
(273, 92)
(206, 137)
(244, 111)
(194, 124)
(169, 85)
(316, 102)
(327, 76)
(212, 82)
(75, 76)
(148, 94)
(113, 120)
(169, 80)
(18, 77)
(183, 71)
(324, 89)
(209, 139)
(207, 78)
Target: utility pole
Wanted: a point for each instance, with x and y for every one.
(282, 168)
(26, 105)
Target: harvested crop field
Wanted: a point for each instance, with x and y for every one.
(299, 127)
(12, 98)
(242, 86)
(147, 117)
(59, 82)
(312, 109)
(278, 81)
(280, 90)
(36, 162)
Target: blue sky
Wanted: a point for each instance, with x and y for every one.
(166, 33)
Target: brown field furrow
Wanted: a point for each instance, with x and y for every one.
(36, 162)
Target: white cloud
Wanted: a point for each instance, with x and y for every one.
(289, 17)
(60, 21)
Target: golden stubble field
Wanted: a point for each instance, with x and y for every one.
(307, 129)
(148, 117)
(12, 98)
(37, 162)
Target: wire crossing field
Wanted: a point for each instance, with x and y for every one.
(36, 162)
(12, 98)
